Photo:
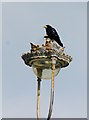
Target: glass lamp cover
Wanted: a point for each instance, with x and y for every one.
(42, 69)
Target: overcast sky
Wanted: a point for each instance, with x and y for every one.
(0, 60)
(23, 23)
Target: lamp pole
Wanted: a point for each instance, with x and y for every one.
(38, 98)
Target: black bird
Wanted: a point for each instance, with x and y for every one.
(52, 34)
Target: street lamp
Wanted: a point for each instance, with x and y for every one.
(46, 62)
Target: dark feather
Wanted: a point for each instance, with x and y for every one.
(52, 34)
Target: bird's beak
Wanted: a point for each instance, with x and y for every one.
(45, 26)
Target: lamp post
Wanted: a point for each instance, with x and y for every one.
(46, 61)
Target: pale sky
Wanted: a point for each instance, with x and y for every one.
(23, 23)
(0, 60)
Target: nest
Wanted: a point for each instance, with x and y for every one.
(46, 51)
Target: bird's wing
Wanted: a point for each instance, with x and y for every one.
(54, 32)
